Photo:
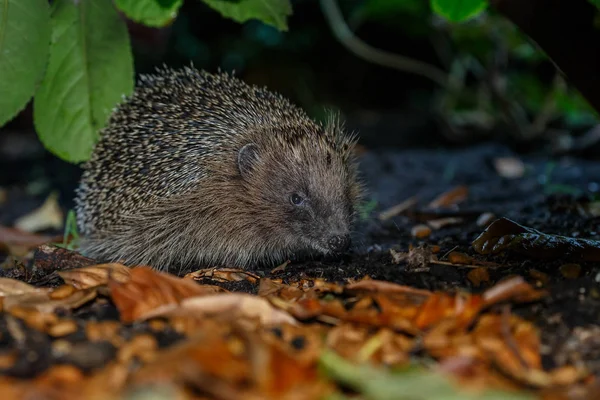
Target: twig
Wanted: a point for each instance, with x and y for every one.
(344, 34)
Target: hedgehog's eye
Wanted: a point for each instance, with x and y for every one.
(296, 199)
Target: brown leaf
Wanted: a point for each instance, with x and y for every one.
(515, 289)
(450, 198)
(504, 234)
(437, 224)
(417, 258)
(478, 276)
(398, 209)
(48, 215)
(228, 306)
(10, 286)
(223, 275)
(148, 289)
(420, 231)
(269, 287)
(280, 268)
(237, 365)
(53, 258)
(373, 285)
(95, 275)
(12, 238)
(42, 302)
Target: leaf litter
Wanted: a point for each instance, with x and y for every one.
(292, 339)
(72, 328)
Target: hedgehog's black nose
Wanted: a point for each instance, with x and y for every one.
(339, 243)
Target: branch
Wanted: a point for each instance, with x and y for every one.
(344, 34)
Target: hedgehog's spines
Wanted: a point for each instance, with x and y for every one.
(162, 184)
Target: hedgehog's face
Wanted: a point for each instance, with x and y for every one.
(307, 201)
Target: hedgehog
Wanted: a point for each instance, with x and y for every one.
(203, 169)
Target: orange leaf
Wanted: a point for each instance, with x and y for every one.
(148, 289)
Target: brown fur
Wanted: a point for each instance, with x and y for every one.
(164, 185)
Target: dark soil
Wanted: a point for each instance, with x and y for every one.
(547, 198)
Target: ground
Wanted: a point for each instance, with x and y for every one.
(554, 197)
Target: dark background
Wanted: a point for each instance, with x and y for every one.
(389, 108)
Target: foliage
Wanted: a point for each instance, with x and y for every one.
(458, 10)
(272, 12)
(76, 60)
(407, 383)
(22, 56)
(150, 12)
(90, 68)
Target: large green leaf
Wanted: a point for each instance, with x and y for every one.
(155, 13)
(271, 12)
(458, 10)
(24, 44)
(90, 69)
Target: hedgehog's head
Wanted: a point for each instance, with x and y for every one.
(302, 185)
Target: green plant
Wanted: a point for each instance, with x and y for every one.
(412, 382)
(462, 10)
(74, 58)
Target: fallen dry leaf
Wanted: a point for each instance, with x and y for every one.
(223, 275)
(95, 275)
(450, 198)
(417, 258)
(478, 276)
(372, 285)
(515, 289)
(458, 258)
(398, 209)
(437, 224)
(42, 302)
(18, 242)
(10, 286)
(53, 258)
(420, 231)
(227, 306)
(48, 215)
(281, 267)
(504, 234)
(148, 289)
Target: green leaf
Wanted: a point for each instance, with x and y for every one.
(458, 10)
(90, 69)
(408, 383)
(154, 13)
(24, 44)
(270, 12)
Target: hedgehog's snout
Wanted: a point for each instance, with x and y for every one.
(339, 243)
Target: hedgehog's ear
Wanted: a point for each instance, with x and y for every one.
(248, 157)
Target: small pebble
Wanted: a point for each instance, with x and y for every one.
(485, 219)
